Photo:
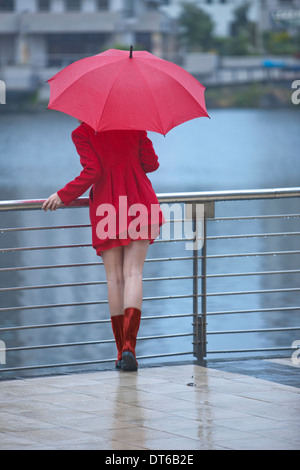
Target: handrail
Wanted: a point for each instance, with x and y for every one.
(206, 299)
(198, 196)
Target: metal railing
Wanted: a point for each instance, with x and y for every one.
(251, 74)
(197, 302)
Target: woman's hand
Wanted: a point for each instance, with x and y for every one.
(53, 202)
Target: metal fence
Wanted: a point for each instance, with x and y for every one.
(233, 293)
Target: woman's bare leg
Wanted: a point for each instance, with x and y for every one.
(133, 263)
(113, 263)
(124, 274)
(134, 258)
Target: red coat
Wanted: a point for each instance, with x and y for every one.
(115, 164)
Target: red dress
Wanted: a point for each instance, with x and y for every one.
(123, 204)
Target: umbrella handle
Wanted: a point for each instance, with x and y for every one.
(131, 49)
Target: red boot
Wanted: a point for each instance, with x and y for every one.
(132, 318)
(117, 323)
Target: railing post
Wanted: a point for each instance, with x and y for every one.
(196, 329)
(199, 320)
(203, 339)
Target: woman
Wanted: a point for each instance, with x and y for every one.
(115, 164)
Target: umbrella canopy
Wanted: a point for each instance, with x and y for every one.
(118, 90)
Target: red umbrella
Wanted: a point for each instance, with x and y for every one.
(118, 90)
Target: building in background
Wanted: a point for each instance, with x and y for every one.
(39, 37)
(46, 33)
(220, 11)
(268, 15)
(245, 32)
(276, 15)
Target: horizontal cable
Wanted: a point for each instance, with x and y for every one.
(163, 297)
(96, 302)
(258, 330)
(265, 291)
(48, 247)
(215, 219)
(50, 227)
(90, 283)
(82, 245)
(89, 322)
(263, 253)
(63, 227)
(90, 343)
(252, 235)
(254, 310)
(225, 351)
(88, 245)
(54, 325)
(87, 363)
(151, 260)
(50, 286)
(38, 307)
(258, 273)
(98, 263)
(254, 217)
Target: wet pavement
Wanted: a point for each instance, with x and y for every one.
(281, 371)
(235, 405)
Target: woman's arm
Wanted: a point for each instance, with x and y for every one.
(148, 157)
(90, 174)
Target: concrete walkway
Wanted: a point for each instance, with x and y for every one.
(174, 407)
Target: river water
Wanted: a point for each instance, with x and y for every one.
(235, 149)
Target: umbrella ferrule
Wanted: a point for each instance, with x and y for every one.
(131, 49)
